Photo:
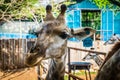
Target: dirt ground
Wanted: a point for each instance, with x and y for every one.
(92, 76)
(28, 74)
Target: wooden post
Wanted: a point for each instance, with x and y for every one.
(69, 70)
(38, 72)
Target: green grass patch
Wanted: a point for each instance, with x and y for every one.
(79, 73)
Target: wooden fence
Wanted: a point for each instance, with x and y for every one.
(13, 53)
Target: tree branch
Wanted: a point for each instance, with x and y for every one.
(115, 2)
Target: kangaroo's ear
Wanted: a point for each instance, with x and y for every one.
(49, 15)
(82, 33)
(61, 16)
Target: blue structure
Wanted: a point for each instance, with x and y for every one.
(88, 42)
(18, 30)
(16, 36)
(109, 20)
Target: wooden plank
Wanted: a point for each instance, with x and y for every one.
(90, 51)
(74, 76)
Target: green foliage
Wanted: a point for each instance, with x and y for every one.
(32, 10)
(91, 19)
(67, 3)
(104, 4)
(101, 3)
(25, 9)
(20, 9)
